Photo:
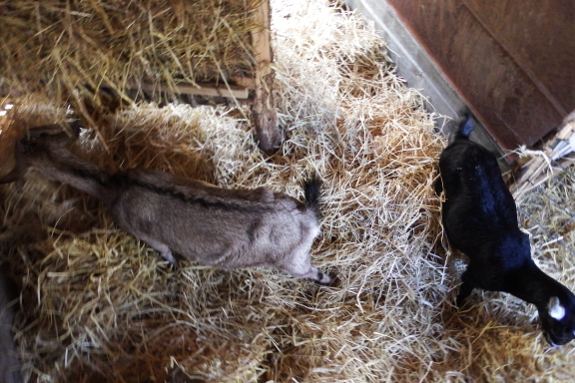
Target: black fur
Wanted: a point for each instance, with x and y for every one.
(480, 219)
(312, 192)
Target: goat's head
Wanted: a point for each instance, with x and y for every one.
(39, 142)
(558, 319)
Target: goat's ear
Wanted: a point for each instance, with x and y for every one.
(556, 311)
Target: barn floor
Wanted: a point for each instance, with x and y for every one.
(97, 305)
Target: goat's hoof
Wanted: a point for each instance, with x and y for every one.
(171, 261)
(460, 303)
(333, 281)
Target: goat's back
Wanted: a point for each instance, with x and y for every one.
(215, 226)
(478, 205)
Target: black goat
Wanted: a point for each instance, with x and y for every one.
(480, 219)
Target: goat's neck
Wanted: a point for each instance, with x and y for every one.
(532, 285)
(74, 171)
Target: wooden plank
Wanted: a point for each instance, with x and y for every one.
(498, 91)
(540, 37)
(263, 110)
(261, 39)
(9, 134)
(203, 89)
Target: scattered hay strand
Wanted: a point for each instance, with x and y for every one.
(101, 306)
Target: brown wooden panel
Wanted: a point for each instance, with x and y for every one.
(540, 36)
(504, 98)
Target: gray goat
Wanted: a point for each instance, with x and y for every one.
(9, 366)
(214, 226)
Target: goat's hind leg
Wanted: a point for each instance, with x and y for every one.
(314, 274)
(319, 277)
(300, 267)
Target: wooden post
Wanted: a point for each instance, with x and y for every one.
(264, 114)
(9, 134)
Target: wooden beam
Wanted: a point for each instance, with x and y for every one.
(263, 110)
(201, 89)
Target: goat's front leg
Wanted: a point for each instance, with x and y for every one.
(160, 247)
(465, 289)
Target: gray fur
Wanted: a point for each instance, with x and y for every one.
(214, 226)
(9, 366)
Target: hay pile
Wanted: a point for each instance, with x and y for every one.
(549, 215)
(98, 305)
(72, 49)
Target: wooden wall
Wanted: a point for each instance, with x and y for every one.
(512, 61)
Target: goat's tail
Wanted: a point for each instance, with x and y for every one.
(312, 191)
(466, 127)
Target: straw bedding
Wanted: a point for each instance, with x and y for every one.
(98, 305)
(553, 205)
